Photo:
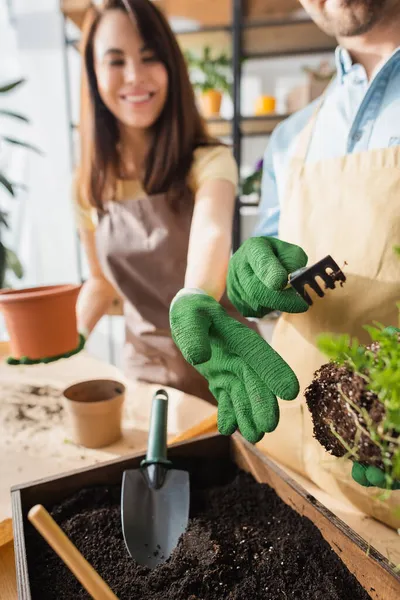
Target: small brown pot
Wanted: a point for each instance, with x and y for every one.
(94, 409)
(41, 321)
(210, 103)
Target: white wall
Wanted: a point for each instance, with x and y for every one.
(33, 48)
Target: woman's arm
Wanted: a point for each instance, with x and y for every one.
(97, 293)
(211, 237)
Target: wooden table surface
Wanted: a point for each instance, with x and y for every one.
(30, 449)
(34, 451)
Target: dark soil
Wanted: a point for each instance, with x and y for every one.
(326, 399)
(242, 543)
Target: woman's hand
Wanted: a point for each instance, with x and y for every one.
(244, 373)
(258, 275)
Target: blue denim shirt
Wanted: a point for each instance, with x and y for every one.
(357, 115)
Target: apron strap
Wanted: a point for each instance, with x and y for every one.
(305, 137)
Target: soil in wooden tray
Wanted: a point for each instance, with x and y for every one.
(242, 543)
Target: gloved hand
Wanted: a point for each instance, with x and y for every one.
(244, 373)
(258, 274)
(369, 476)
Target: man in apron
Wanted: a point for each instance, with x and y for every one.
(331, 185)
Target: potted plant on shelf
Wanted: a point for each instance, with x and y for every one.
(211, 76)
(251, 185)
(355, 402)
(40, 321)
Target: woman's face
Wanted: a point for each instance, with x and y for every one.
(132, 82)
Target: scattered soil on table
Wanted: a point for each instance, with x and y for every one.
(27, 404)
(242, 543)
(326, 399)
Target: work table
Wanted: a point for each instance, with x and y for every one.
(35, 443)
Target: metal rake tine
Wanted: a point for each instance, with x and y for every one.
(300, 284)
(308, 276)
(336, 275)
(314, 286)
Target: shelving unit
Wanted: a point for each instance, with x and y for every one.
(254, 39)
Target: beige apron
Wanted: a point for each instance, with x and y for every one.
(348, 207)
(142, 246)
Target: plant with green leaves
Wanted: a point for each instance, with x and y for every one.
(8, 259)
(210, 72)
(252, 183)
(378, 367)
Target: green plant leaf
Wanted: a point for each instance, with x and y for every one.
(5, 183)
(14, 264)
(14, 115)
(22, 144)
(208, 72)
(11, 86)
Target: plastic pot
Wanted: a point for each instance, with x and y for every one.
(41, 321)
(210, 103)
(265, 105)
(94, 410)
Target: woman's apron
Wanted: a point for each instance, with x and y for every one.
(348, 207)
(142, 246)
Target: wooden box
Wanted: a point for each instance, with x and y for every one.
(371, 569)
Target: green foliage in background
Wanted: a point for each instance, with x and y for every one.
(8, 259)
(252, 183)
(210, 72)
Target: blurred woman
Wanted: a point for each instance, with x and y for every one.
(154, 194)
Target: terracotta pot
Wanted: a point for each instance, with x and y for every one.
(41, 321)
(210, 103)
(94, 410)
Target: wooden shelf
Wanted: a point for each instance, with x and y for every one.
(263, 39)
(250, 126)
(285, 38)
(260, 39)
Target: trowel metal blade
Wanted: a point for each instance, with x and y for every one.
(154, 519)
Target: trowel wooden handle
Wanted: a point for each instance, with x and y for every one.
(208, 425)
(56, 538)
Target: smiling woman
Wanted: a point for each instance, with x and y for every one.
(154, 193)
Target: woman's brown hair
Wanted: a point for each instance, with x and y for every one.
(177, 133)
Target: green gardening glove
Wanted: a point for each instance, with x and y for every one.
(244, 373)
(258, 274)
(369, 476)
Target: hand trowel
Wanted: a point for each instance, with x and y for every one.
(155, 498)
